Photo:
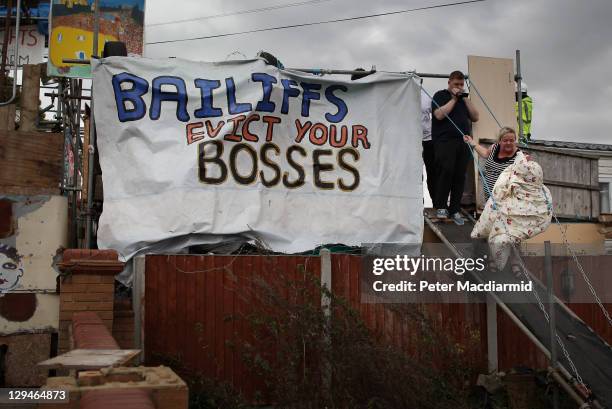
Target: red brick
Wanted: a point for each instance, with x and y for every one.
(92, 278)
(105, 315)
(89, 254)
(74, 288)
(90, 332)
(117, 398)
(86, 278)
(100, 288)
(65, 315)
(73, 306)
(108, 324)
(107, 279)
(98, 306)
(100, 297)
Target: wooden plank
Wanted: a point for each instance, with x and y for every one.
(219, 348)
(595, 196)
(172, 303)
(4, 112)
(10, 123)
(192, 326)
(241, 265)
(210, 329)
(30, 162)
(90, 359)
(228, 315)
(30, 93)
(182, 341)
(7, 117)
(604, 169)
(494, 78)
(605, 218)
(572, 185)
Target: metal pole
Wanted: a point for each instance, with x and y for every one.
(92, 137)
(72, 194)
(74, 120)
(519, 94)
(501, 304)
(96, 27)
(492, 351)
(551, 314)
(568, 389)
(16, 65)
(60, 118)
(326, 283)
(326, 71)
(5, 41)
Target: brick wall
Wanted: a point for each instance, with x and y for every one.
(123, 323)
(87, 284)
(164, 388)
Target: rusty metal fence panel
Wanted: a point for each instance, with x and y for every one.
(196, 308)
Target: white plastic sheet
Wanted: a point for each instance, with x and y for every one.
(305, 160)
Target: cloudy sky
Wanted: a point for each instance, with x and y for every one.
(566, 52)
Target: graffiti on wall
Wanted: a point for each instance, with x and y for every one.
(11, 268)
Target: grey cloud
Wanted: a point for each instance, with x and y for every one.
(565, 48)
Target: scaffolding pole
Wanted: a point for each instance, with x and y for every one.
(551, 314)
(519, 94)
(92, 139)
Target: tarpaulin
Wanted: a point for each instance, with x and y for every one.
(196, 153)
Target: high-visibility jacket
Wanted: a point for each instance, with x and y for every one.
(527, 115)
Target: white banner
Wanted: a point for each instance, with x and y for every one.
(195, 153)
(31, 46)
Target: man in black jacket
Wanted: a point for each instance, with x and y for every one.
(451, 153)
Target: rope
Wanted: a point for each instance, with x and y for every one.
(516, 252)
(480, 170)
(583, 273)
(565, 241)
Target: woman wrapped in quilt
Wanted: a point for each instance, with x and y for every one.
(519, 209)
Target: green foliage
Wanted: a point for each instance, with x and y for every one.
(321, 357)
(208, 394)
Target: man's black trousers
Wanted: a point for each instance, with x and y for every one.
(430, 169)
(451, 158)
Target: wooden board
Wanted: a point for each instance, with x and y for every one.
(30, 162)
(90, 359)
(30, 94)
(605, 218)
(494, 79)
(574, 186)
(7, 117)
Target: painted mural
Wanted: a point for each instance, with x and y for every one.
(11, 268)
(71, 34)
